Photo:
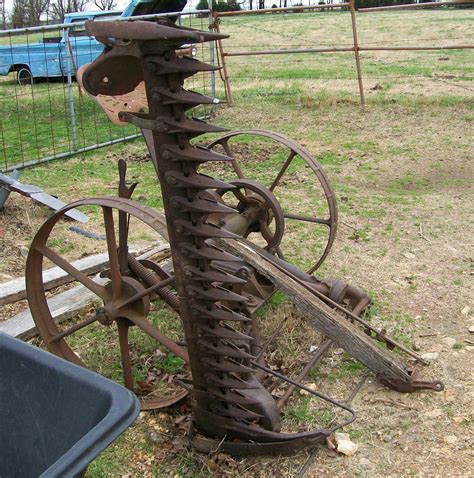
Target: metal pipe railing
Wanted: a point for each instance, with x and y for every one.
(44, 28)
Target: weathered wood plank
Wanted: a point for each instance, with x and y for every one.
(62, 306)
(15, 290)
(341, 331)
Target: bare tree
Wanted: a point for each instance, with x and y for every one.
(105, 4)
(35, 9)
(60, 7)
(19, 13)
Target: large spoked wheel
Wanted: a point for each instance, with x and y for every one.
(301, 187)
(120, 301)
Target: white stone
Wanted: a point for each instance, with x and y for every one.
(450, 439)
(471, 329)
(347, 447)
(430, 356)
(466, 310)
(449, 341)
(344, 444)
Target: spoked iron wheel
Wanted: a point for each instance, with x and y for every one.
(302, 190)
(121, 301)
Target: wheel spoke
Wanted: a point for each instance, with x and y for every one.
(239, 195)
(115, 274)
(280, 253)
(122, 327)
(235, 163)
(266, 232)
(316, 220)
(72, 329)
(72, 271)
(282, 170)
(124, 222)
(151, 330)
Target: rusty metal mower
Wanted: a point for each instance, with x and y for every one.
(228, 255)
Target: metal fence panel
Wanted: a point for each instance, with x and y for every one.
(44, 113)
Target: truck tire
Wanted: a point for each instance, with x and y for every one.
(24, 76)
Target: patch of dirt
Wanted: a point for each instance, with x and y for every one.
(19, 219)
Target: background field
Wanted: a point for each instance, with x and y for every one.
(402, 171)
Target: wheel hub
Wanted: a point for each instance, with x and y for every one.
(257, 207)
(113, 309)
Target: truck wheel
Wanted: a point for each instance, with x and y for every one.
(24, 76)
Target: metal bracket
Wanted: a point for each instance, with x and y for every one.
(410, 386)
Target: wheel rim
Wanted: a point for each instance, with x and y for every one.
(295, 152)
(113, 293)
(24, 77)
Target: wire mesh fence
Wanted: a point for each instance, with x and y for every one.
(314, 52)
(45, 113)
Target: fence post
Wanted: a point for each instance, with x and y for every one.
(357, 52)
(220, 52)
(211, 56)
(69, 67)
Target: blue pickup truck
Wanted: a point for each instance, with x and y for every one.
(54, 57)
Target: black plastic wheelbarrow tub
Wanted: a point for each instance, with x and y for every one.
(55, 417)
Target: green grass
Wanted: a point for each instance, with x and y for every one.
(304, 412)
(35, 121)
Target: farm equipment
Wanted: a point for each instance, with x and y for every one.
(221, 276)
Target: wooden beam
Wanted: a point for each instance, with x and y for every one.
(62, 306)
(15, 289)
(320, 316)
